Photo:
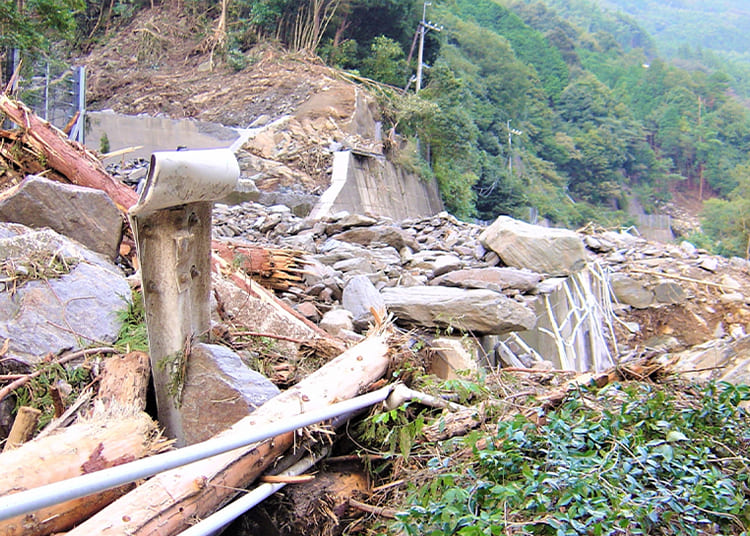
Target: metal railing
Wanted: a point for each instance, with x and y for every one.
(56, 92)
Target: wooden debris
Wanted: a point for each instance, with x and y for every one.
(277, 269)
(102, 442)
(320, 506)
(66, 358)
(460, 422)
(57, 401)
(287, 479)
(124, 380)
(381, 511)
(323, 343)
(68, 158)
(170, 502)
(23, 428)
(456, 423)
(118, 431)
(70, 414)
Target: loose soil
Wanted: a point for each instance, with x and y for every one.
(158, 65)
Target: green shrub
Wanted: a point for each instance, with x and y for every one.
(627, 460)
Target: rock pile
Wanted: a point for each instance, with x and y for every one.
(427, 272)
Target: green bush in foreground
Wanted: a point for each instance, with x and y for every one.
(628, 459)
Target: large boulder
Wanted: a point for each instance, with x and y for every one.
(55, 294)
(360, 297)
(478, 311)
(86, 215)
(219, 390)
(631, 292)
(551, 251)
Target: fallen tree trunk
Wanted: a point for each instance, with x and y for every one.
(323, 343)
(68, 158)
(118, 432)
(171, 501)
(103, 441)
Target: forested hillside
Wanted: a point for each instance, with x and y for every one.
(560, 106)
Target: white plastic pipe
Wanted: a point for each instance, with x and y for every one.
(232, 511)
(74, 488)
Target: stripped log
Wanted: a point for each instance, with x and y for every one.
(66, 157)
(116, 433)
(79, 449)
(173, 500)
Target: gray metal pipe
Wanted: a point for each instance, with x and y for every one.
(221, 518)
(74, 488)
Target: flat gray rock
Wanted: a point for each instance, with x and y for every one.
(478, 311)
(73, 302)
(374, 235)
(493, 278)
(86, 215)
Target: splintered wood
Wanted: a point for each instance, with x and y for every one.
(277, 269)
(171, 501)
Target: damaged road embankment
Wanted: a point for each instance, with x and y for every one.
(291, 296)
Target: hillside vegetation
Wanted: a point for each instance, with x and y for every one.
(560, 106)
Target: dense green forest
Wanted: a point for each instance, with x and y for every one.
(565, 107)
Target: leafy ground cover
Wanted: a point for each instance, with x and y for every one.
(630, 458)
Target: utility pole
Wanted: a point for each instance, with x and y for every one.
(424, 26)
(511, 131)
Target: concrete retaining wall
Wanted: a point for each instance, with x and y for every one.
(372, 185)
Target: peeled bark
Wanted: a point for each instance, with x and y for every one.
(171, 501)
(79, 449)
(68, 158)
